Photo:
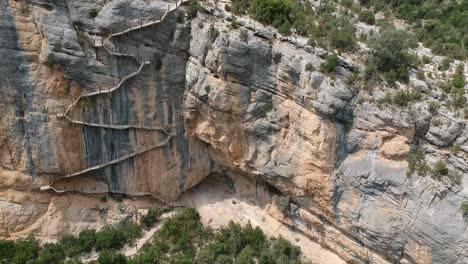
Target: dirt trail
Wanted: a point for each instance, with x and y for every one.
(129, 251)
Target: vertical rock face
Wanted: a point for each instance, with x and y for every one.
(56, 62)
(212, 101)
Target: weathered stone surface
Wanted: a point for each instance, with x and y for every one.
(444, 133)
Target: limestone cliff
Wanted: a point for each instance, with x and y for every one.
(89, 107)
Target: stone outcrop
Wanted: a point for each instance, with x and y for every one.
(233, 106)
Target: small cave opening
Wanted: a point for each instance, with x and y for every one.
(46, 6)
(219, 187)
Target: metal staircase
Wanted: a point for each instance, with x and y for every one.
(111, 50)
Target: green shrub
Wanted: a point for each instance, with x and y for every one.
(390, 54)
(240, 7)
(86, 240)
(108, 257)
(103, 199)
(152, 253)
(445, 64)
(281, 202)
(213, 33)
(26, 250)
(458, 81)
(426, 59)
(457, 98)
(244, 35)
(285, 28)
(420, 75)
(367, 17)
(193, 8)
(246, 256)
(130, 230)
(455, 149)
(434, 107)
(234, 24)
(403, 98)
(439, 170)
(273, 12)
(180, 18)
(152, 216)
(51, 254)
(207, 88)
(455, 177)
(343, 40)
(464, 208)
(93, 13)
(83, 243)
(302, 17)
(336, 32)
(460, 68)
(265, 109)
(67, 89)
(7, 251)
(277, 57)
(109, 238)
(330, 64)
(118, 197)
(69, 242)
(82, 38)
(309, 67)
(417, 163)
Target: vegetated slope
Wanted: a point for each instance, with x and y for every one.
(181, 239)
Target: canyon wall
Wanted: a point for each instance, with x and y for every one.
(195, 97)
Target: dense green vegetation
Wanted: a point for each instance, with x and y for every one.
(390, 55)
(401, 98)
(182, 236)
(273, 12)
(321, 25)
(29, 251)
(182, 239)
(440, 25)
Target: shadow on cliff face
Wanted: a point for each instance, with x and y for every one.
(16, 94)
(218, 187)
